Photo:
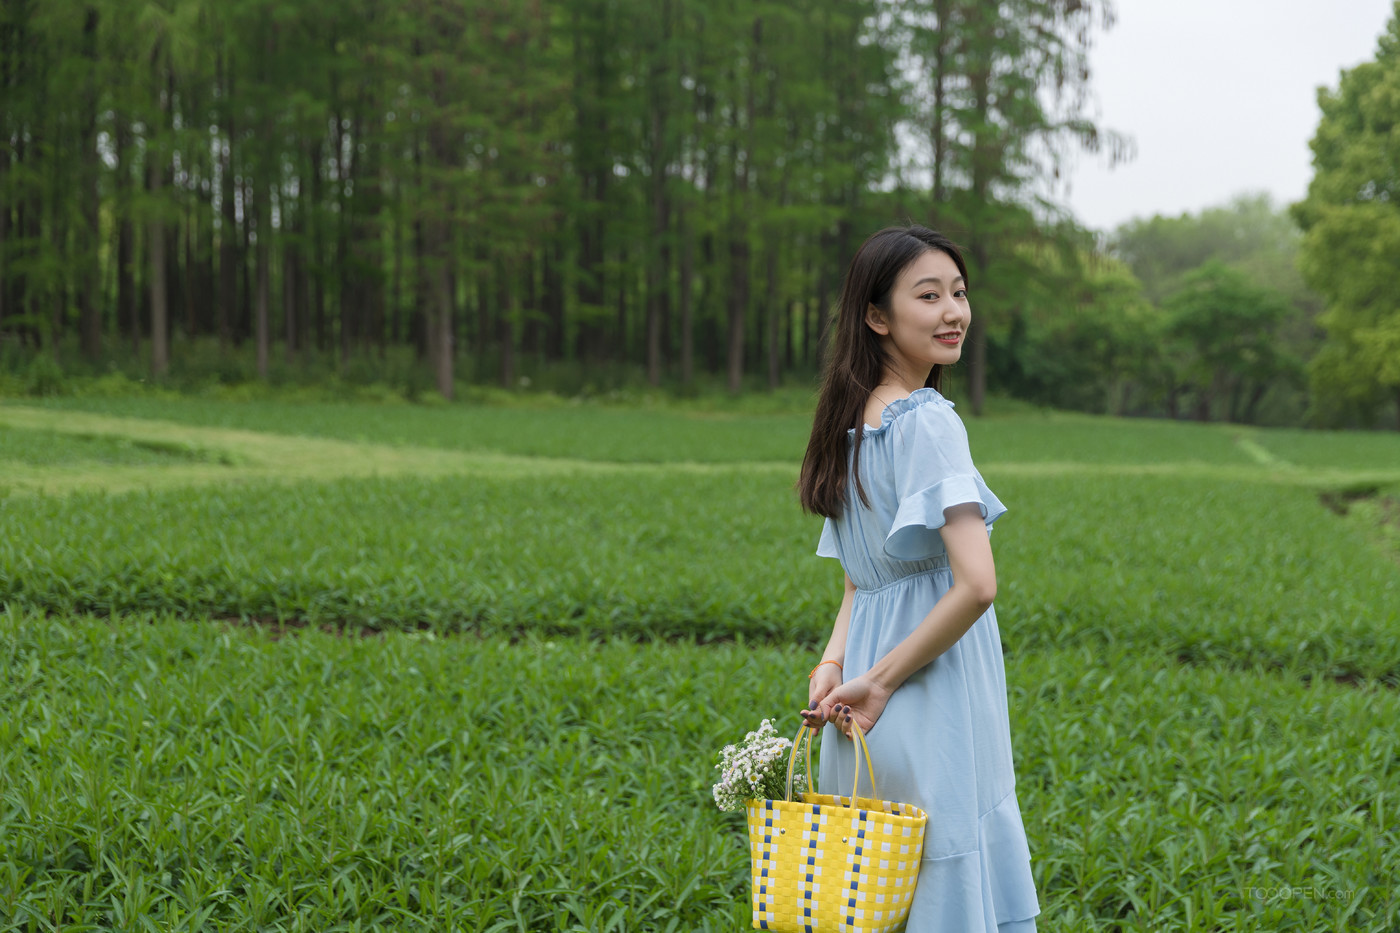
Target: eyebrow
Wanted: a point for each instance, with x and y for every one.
(936, 280)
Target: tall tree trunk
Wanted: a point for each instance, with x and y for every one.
(826, 247)
(532, 334)
(243, 323)
(774, 197)
(421, 319)
(5, 283)
(290, 313)
(440, 156)
(940, 69)
(789, 332)
(424, 296)
(316, 282)
(176, 282)
(190, 259)
(12, 162)
(687, 299)
(8, 66)
(128, 320)
(774, 311)
(155, 250)
(659, 255)
(31, 227)
(485, 330)
(367, 244)
(228, 246)
(293, 310)
(738, 303)
(592, 83)
(441, 339)
(1256, 395)
(263, 324)
(658, 283)
(56, 227)
(981, 183)
(553, 282)
(977, 335)
(454, 324)
(809, 329)
(396, 288)
(703, 329)
(709, 337)
(624, 282)
(590, 285)
(505, 335)
(1203, 406)
(739, 235)
(210, 276)
(347, 295)
(89, 300)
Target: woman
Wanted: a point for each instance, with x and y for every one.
(914, 655)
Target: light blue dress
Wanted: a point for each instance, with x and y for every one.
(943, 742)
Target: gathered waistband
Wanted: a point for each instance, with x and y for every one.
(933, 565)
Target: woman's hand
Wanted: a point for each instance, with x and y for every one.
(826, 678)
(862, 700)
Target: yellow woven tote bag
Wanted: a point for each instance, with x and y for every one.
(823, 862)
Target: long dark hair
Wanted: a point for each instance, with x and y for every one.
(856, 362)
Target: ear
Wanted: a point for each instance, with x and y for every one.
(875, 320)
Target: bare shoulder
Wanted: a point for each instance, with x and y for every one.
(879, 400)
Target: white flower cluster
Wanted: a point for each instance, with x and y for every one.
(753, 769)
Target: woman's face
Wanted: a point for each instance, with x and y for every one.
(928, 316)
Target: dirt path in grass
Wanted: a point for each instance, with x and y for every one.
(202, 455)
(208, 455)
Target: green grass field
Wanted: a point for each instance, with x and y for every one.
(351, 667)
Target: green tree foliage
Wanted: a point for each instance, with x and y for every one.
(670, 185)
(1250, 233)
(1085, 336)
(1352, 221)
(1203, 316)
(1000, 92)
(1247, 249)
(1221, 331)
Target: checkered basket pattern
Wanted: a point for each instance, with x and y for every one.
(828, 863)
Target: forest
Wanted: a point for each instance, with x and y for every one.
(574, 193)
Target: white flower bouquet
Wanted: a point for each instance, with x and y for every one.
(754, 769)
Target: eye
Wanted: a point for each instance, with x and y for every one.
(960, 293)
(931, 296)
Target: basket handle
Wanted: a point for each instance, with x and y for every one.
(862, 747)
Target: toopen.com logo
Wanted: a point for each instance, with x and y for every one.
(1308, 892)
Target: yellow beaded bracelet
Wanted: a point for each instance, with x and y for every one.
(820, 663)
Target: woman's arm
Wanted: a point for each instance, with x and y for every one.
(828, 677)
(974, 587)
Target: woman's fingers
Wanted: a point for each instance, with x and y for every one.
(840, 715)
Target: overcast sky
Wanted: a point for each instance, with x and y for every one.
(1220, 98)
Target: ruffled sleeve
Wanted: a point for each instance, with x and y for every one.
(826, 547)
(933, 472)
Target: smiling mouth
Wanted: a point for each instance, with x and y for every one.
(950, 337)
